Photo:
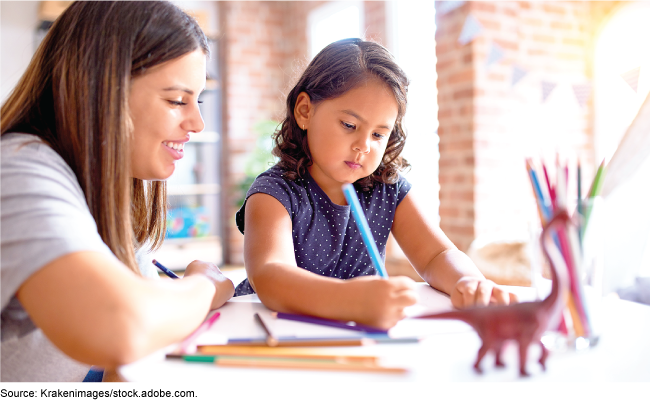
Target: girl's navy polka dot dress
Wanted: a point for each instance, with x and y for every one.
(326, 240)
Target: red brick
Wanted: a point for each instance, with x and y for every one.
(561, 25)
(492, 25)
(506, 44)
(483, 6)
(573, 42)
(544, 38)
(554, 9)
(464, 93)
(466, 75)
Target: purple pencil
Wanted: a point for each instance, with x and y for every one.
(328, 322)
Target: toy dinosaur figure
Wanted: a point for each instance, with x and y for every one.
(523, 322)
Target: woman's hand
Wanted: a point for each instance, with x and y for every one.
(223, 285)
(381, 302)
(473, 291)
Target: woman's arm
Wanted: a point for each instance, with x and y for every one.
(98, 312)
(439, 262)
(283, 286)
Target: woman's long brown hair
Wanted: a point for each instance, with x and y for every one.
(74, 96)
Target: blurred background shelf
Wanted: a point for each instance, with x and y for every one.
(194, 223)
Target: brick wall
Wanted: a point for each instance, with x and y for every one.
(375, 21)
(488, 126)
(252, 60)
(456, 91)
(264, 49)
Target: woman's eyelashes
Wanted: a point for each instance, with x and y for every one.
(181, 103)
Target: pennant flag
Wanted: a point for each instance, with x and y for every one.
(495, 55)
(471, 30)
(447, 6)
(547, 88)
(517, 74)
(632, 78)
(582, 92)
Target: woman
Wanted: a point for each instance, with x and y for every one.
(89, 135)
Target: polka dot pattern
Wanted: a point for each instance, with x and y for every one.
(326, 240)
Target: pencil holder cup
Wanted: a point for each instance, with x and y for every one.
(581, 244)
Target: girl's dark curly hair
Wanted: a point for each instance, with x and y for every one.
(338, 68)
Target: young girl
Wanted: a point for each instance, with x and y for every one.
(108, 101)
(344, 125)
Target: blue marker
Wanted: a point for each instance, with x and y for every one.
(362, 224)
(164, 269)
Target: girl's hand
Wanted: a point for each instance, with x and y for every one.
(223, 285)
(381, 302)
(474, 291)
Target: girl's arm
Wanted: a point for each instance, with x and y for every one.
(440, 263)
(283, 286)
(98, 312)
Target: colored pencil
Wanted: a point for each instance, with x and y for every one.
(164, 269)
(270, 339)
(541, 202)
(579, 204)
(576, 320)
(551, 192)
(286, 352)
(295, 342)
(576, 316)
(364, 229)
(328, 322)
(291, 363)
(575, 284)
(309, 342)
(188, 344)
(594, 191)
(597, 184)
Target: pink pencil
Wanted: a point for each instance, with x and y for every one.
(551, 191)
(188, 345)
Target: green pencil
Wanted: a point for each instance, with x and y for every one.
(594, 191)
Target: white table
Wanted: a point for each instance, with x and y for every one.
(447, 355)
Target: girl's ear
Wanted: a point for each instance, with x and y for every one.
(302, 111)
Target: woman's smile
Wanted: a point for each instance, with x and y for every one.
(175, 149)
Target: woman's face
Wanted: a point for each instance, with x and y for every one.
(164, 109)
(348, 135)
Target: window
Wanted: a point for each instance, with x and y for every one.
(621, 48)
(332, 22)
(411, 39)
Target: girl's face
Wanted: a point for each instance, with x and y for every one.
(347, 135)
(164, 110)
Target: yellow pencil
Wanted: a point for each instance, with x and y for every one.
(575, 317)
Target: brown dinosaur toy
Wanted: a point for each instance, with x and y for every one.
(523, 322)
